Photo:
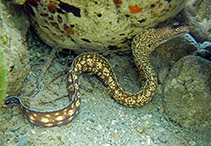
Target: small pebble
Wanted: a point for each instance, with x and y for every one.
(139, 130)
(192, 143)
(145, 117)
(91, 120)
(116, 136)
(24, 141)
(33, 132)
(88, 128)
(173, 82)
(161, 109)
(58, 67)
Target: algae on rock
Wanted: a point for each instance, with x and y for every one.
(14, 59)
(3, 68)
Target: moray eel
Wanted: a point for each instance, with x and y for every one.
(143, 44)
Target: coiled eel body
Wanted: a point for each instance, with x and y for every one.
(143, 44)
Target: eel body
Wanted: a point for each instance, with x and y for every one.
(143, 44)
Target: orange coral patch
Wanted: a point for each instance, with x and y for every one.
(135, 9)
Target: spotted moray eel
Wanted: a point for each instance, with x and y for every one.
(143, 44)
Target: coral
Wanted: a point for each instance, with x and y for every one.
(97, 26)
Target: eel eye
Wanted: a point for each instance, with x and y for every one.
(177, 29)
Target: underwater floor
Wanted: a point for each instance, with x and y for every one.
(101, 121)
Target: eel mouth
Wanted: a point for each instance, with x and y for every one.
(180, 30)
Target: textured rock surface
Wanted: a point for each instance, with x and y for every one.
(4, 43)
(187, 94)
(203, 8)
(102, 26)
(14, 27)
(166, 55)
(198, 14)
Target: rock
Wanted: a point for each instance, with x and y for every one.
(198, 16)
(203, 8)
(205, 45)
(24, 141)
(203, 53)
(99, 26)
(187, 94)
(204, 50)
(165, 55)
(13, 49)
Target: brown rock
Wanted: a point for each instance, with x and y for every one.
(187, 94)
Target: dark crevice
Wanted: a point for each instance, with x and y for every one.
(31, 11)
(85, 40)
(73, 40)
(168, 0)
(141, 21)
(152, 5)
(68, 8)
(12, 68)
(60, 11)
(72, 26)
(128, 41)
(99, 15)
(112, 47)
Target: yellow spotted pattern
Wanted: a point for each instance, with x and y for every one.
(143, 44)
